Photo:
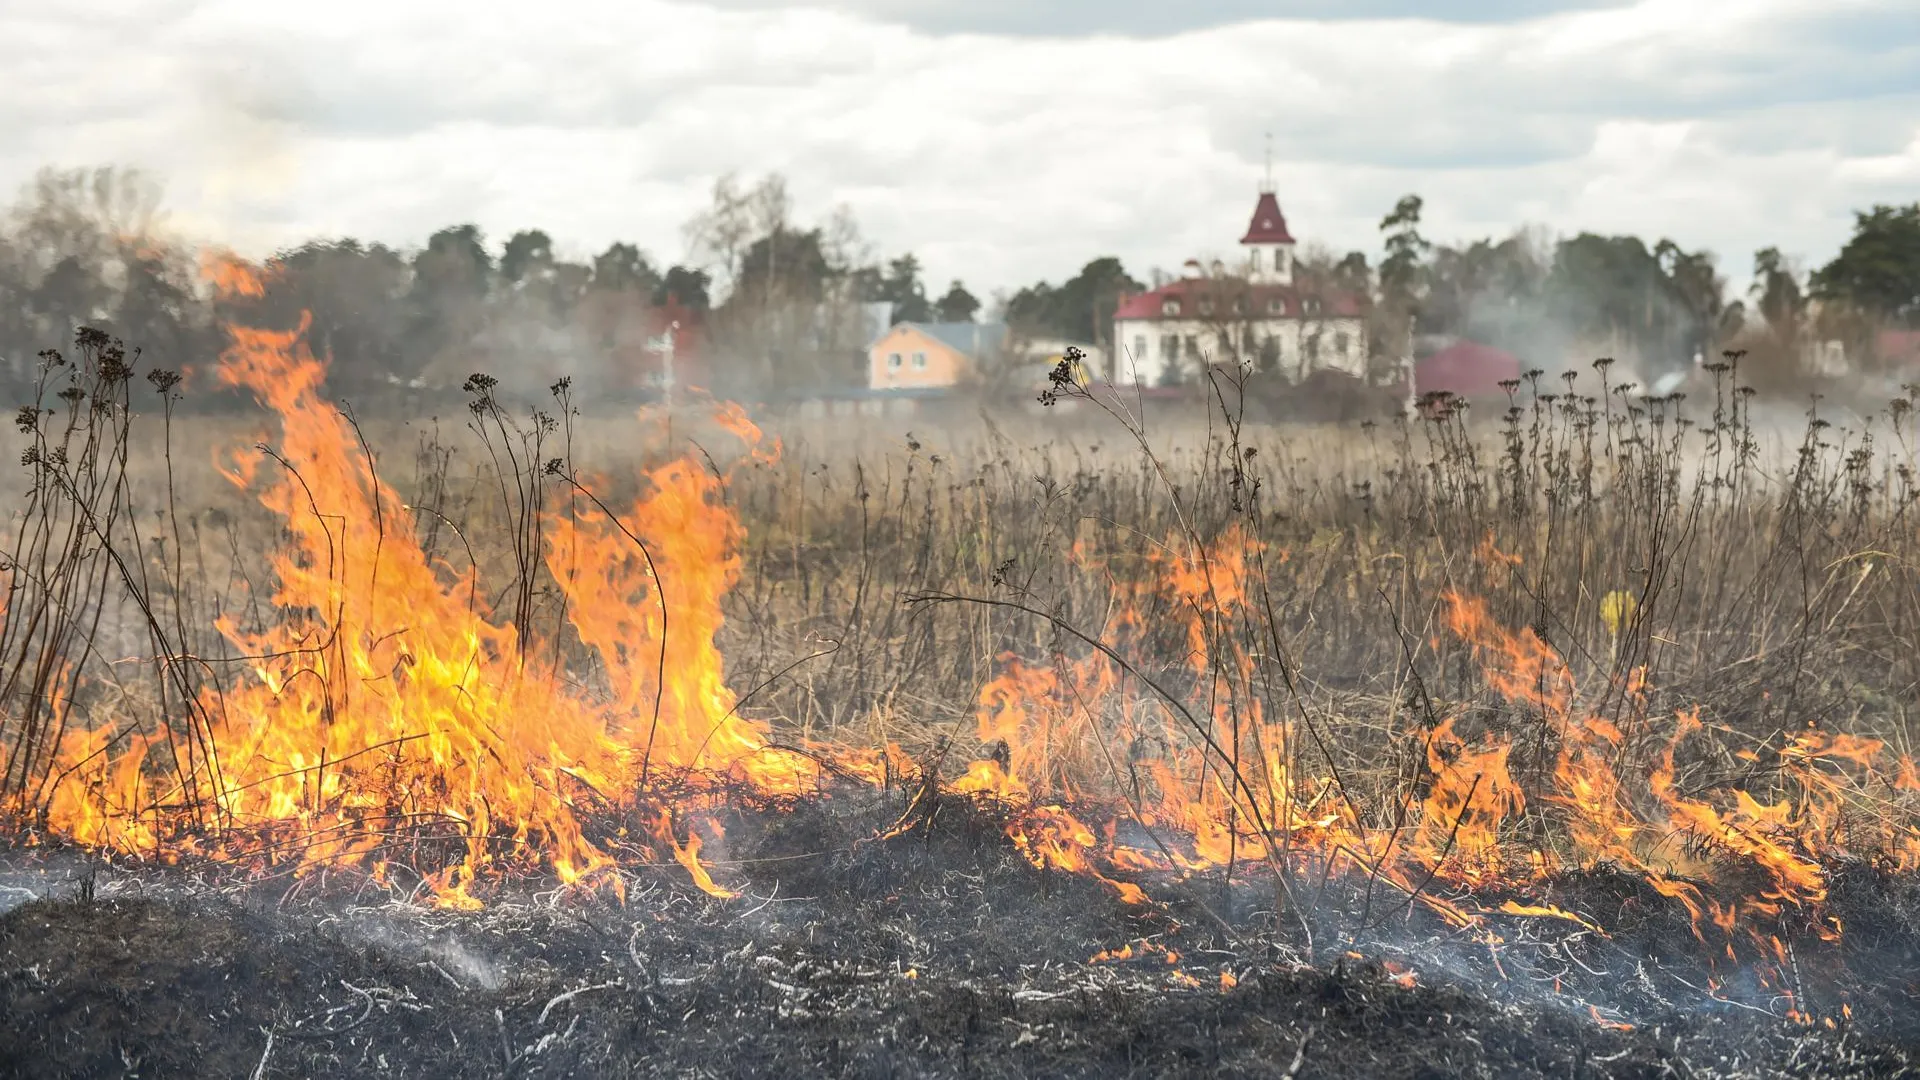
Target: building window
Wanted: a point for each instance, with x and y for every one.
(893, 361)
(1280, 261)
(1255, 256)
(1276, 306)
(1170, 306)
(920, 361)
(1170, 348)
(1310, 306)
(1193, 346)
(1341, 343)
(1139, 346)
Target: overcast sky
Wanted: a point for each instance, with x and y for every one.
(1003, 141)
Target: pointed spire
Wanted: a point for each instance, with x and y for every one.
(1269, 225)
(1266, 185)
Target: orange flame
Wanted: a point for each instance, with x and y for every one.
(384, 706)
(385, 702)
(231, 276)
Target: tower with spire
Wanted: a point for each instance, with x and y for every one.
(1268, 244)
(1260, 315)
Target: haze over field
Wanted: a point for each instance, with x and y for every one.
(960, 538)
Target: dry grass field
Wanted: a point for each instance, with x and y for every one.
(1460, 665)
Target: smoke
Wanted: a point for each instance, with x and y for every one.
(1561, 304)
(403, 931)
(241, 134)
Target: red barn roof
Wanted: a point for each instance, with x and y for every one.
(1269, 225)
(1256, 301)
(1468, 369)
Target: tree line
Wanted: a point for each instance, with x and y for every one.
(778, 305)
(786, 306)
(1537, 296)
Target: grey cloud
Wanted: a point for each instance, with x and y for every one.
(388, 81)
(1875, 32)
(1410, 112)
(1155, 18)
(999, 159)
(1869, 127)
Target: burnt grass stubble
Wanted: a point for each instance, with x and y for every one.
(859, 948)
(937, 952)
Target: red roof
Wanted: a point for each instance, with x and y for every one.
(1898, 346)
(1255, 300)
(1269, 225)
(1466, 368)
(639, 364)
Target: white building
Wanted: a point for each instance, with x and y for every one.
(1257, 315)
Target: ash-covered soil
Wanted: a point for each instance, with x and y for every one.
(936, 953)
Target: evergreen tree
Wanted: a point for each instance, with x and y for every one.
(958, 305)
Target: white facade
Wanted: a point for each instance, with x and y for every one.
(1255, 316)
(1269, 263)
(1148, 349)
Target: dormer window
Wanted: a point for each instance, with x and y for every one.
(1276, 306)
(1310, 306)
(1206, 307)
(1170, 306)
(1238, 307)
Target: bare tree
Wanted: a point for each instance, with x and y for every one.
(789, 316)
(720, 235)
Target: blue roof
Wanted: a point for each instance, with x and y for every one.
(972, 339)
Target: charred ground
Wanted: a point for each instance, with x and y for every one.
(938, 952)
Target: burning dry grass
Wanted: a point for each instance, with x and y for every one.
(1416, 668)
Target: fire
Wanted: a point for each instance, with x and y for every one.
(1547, 911)
(688, 855)
(1518, 666)
(231, 276)
(1610, 1025)
(383, 716)
(1140, 950)
(384, 702)
(733, 420)
(1213, 779)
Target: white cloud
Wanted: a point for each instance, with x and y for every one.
(1727, 125)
